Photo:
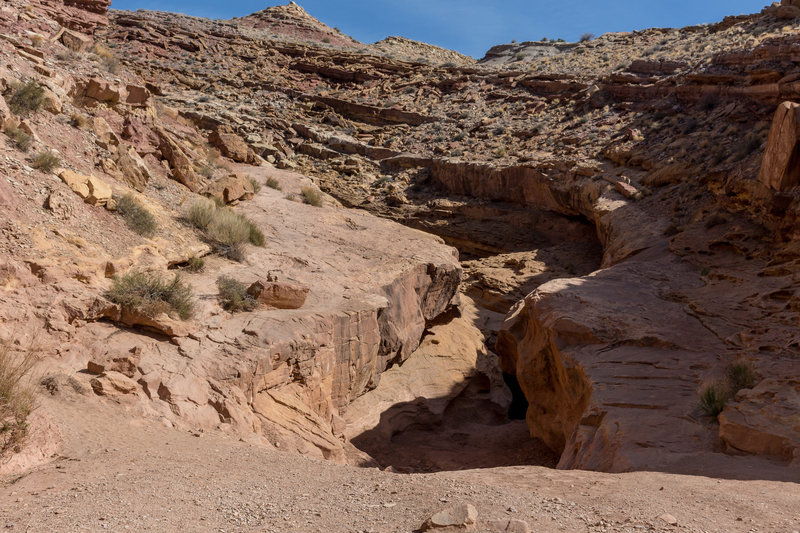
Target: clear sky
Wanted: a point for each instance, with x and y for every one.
(473, 26)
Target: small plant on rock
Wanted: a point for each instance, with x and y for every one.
(26, 99)
(255, 184)
(19, 137)
(225, 228)
(272, 183)
(713, 397)
(233, 295)
(195, 264)
(137, 216)
(78, 120)
(201, 213)
(741, 375)
(151, 294)
(46, 161)
(312, 196)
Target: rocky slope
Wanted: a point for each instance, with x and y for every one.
(625, 212)
(650, 154)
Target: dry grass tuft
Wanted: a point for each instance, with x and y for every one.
(17, 393)
(228, 230)
(233, 295)
(26, 99)
(46, 161)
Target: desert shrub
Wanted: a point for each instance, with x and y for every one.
(272, 183)
(312, 196)
(224, 227)
(46, 161)
(20, 138)
(586, 37)
(741, 375)
(233, 295)
(195, 264)
(137, 216)
(151, 294)
(37, 40)
(107, 58)
(201, 213)
(17, 394)
(255, 184)
(713, 397)
(26, 99)
(78, 120)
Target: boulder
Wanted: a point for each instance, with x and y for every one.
(100, 90)
(182, 169)
(461, 517)
(231, 145)
(76, 182)
(278, 294)
(763, 420)
(99, 191)
(230, 188)
(51, 102)
(92, 189)
(133, 169)
(75, 40)
(126, 364)
(106, 137)
(779, 167)
(137, 95)
(113, 384)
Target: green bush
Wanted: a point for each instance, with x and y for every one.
(272, 183)
(151, 294)
(713, 397)
(233, 295)
(137, 217)
(20, 138)
(201, 213)
(26, 99)
(195, 264)
(741, 375)
(46, 161)
(225, 228)
(312, 196)
(255, 184)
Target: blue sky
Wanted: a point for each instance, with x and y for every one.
(473, 26)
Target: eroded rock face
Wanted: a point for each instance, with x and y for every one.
(780, 168)
(764, 420)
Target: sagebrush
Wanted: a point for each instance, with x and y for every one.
(46, 161)
(233, 295)
(26, 99)
(151, 294)
(227, 229)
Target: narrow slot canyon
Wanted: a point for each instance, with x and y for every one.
(450, 406)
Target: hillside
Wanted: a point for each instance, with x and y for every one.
(391, 266)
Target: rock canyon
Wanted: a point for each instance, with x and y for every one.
(259, 276)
